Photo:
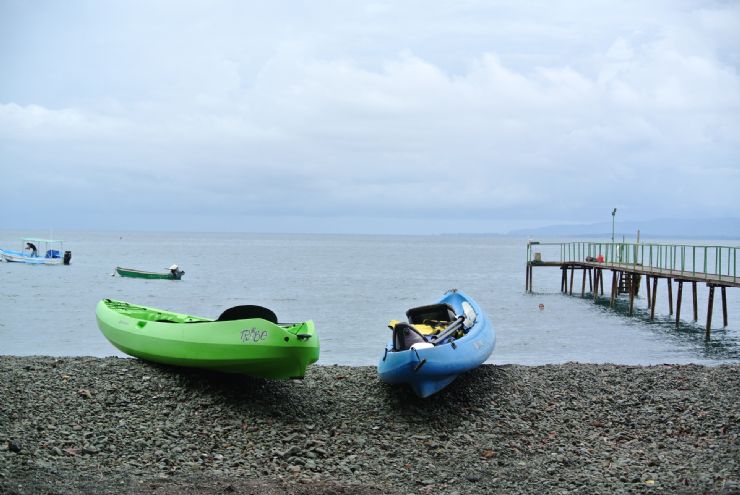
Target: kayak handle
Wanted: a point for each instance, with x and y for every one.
(418, 366)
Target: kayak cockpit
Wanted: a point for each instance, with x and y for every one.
(149, 314)
(431, 325)
(146, 315)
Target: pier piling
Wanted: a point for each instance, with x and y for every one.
(710, 307)
(678, 302)
(564, 279)
(655, 294)
(583, 284)
(613, 296)
(572, 272)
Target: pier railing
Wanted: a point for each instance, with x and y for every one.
(710, 262)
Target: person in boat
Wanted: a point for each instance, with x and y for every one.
(32, 247)
(174, 269)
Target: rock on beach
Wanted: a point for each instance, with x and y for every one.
(111, 425)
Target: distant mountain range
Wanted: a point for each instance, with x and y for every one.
(671, 228)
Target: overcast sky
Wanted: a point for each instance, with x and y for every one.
(377, 117)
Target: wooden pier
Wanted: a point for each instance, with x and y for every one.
(715, 266)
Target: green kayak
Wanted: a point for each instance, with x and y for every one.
(244, 339)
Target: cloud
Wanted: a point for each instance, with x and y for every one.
(379, 110)
(37, 123)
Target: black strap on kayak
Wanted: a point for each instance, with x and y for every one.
(248, 312)
(451, 329)
(421, 362)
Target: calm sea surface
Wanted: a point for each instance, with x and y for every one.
(351, 286)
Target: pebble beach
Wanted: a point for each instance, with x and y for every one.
(113, 425)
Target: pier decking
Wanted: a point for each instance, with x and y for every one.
(716, 266)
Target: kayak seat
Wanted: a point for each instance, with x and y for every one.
(428, 328)
(247, 312)
(433, 313)
(405, 335)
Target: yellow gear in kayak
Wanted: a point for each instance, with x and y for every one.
(423, 328)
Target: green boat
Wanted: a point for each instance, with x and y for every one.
(172, 273)
(244, 339)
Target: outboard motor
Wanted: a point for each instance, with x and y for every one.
(67, 257)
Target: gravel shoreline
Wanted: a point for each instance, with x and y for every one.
(111, 425)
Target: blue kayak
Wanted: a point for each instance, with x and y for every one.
(439, 342)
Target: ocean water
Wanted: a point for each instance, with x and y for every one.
(351, 286)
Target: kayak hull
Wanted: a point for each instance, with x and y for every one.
(429, 370)
(254, 347)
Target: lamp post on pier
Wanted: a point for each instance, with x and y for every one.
(614, 214)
